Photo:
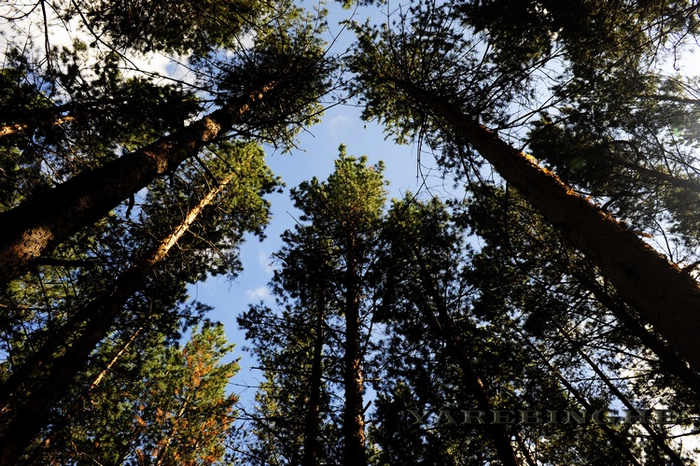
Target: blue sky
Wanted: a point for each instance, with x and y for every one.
(315, 156)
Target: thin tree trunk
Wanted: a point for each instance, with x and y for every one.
(353, 423)
(655, 436)
(29, 416)
(446, 326)
(28, 119)
(617, 441)
(671, 361)
(313, 409)
(114, 360)
(44, 221)
(8, 130)
(664, 295)
(25, 119)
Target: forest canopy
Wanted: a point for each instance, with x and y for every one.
(544, 312)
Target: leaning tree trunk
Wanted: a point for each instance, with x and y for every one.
(28, 415)
(669, 357)
(659, 440)
(53, 343)
(8, 130)
(42, 222)
(445, 325)
(58, 428)
(620, 442)
(665, 296)
(52, 116)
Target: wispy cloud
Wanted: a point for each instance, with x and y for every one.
(258, 293)
(338, 125)
(265, 262)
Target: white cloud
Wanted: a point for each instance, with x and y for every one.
(265, 262)
(258, 293)
(338, 125)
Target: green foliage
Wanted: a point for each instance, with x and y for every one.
(592, 35)
(78, 110)
(183, 27)
(435, 284)
(290, 61)
(426, 263)
(159, 404)
(352, 198)
(302, 344)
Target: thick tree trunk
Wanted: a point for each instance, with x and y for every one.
(57, 339)
(664, 295)
(59, 427)
(353, 422)
(28, 416)
(41, 223)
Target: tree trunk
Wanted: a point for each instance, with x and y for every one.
(353, 423)
(114, 360)
(44, 221)
(655, 436)
(313, 409)
(670, 360)
(664, 295)
(7, 130)
(446, 326)
(58, 338)
(615, 439)
(29, 416)
(57, 428)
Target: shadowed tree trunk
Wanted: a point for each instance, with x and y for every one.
(655, 436)
(7, 130)
(311, 427)
(44, 221)
(28, 416)
(354, 423)
(671, 361)
(615, 439)
(664, 295)
(58, 427)
(445, 325)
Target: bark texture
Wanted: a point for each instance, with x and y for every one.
(664, 295)
(353, 422)
(28, 416)
(41, 223)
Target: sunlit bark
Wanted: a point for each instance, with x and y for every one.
(46, 220)
(664, 295)
(29, 415)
